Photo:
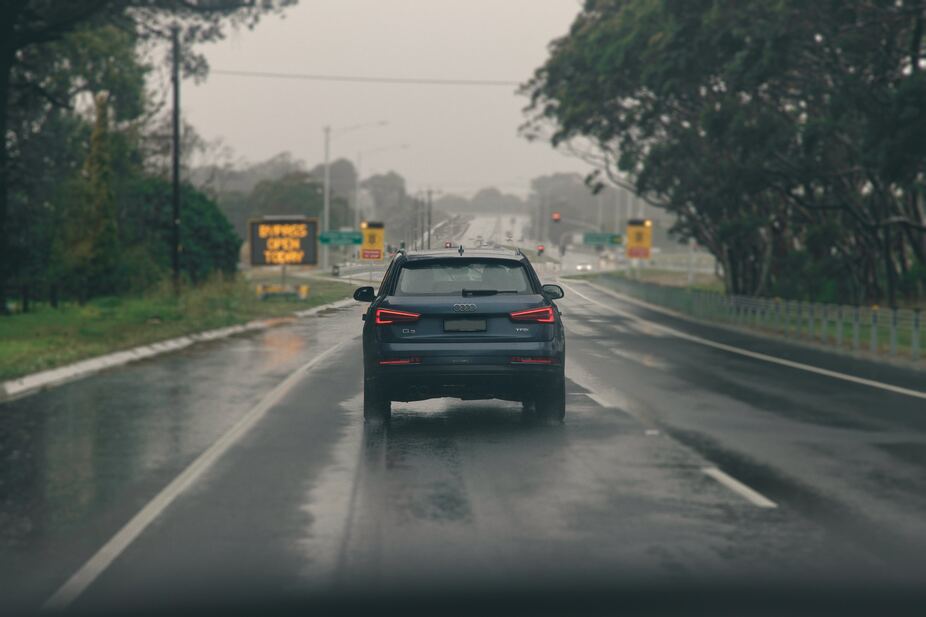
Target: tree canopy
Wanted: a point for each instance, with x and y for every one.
(53, 53)
(788, 137)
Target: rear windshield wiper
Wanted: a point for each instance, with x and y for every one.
(487, 292)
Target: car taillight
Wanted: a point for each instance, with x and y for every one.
(532, 360)
(394, 361)
(540, 315)
(389, 316)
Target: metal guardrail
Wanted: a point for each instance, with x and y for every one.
(876, 330)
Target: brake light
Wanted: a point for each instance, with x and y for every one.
(389, 316)
(412, 360)
(540, 315)
(535, 360)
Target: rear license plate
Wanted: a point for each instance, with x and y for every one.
(464, 325)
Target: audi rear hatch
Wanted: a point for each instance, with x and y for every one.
(465, 300)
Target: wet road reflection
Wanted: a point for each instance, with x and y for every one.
(451, 493)
(479, 493)
(78, 460)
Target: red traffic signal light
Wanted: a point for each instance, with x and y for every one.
(556, 216)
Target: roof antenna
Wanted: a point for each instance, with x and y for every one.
(460, 250)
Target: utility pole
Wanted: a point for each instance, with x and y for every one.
(175, 228)
(542, 231)
(430, 204)
(419, 222)
(357, 203)
(357, 191)
(326, 213)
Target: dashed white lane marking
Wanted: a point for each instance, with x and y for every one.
(753, 354)
(753, 497)
(97, 564)
(613, 399)
(646, 359)
(577, 328)
(599, 399)
(603, 394)
(618, 328)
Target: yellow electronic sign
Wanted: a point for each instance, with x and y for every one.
(373, 247)
(280, 241)
(639, 238)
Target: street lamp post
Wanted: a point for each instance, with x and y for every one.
(326, 213)
(430, 205)
(175, 160)
(358, 176)
(357, 190)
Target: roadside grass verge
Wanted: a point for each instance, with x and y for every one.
(670, 278)
(862, 329)
(673, 278)
(46, 338)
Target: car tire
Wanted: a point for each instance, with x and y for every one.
(376, 407)
(553, 405)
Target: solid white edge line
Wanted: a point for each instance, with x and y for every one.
(102, 559)
(752, 354)
(753, 497)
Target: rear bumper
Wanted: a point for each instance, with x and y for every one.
(482, 370)
(415, 382)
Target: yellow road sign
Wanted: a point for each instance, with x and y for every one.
(373, 247)
(639, 238)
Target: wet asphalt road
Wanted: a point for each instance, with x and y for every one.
(459, 494)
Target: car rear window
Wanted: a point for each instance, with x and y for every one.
(451, 277)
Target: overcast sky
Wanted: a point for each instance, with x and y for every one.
(460, 138)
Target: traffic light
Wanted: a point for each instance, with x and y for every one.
(540, 249)
(556, 216)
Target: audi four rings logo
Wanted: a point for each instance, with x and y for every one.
(464, 308)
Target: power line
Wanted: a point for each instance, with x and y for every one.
(367, 79)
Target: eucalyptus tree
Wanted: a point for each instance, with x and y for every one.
(788, 137)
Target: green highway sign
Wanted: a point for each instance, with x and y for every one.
(601, 239)
(341, 237)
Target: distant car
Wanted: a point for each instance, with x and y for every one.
(476, 325)
(584, 267)
(448, 244)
